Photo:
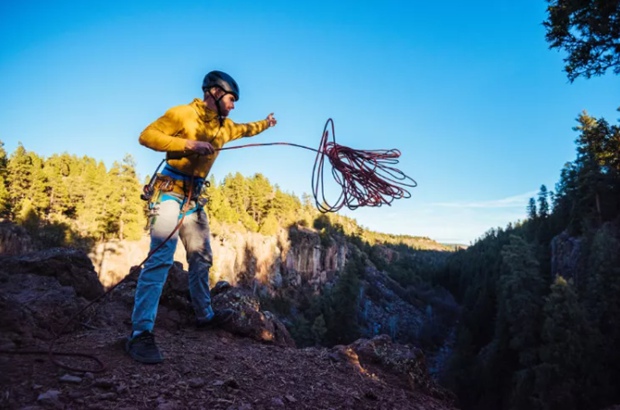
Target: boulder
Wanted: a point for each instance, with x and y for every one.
(70, 267)
(250, 321)
(405, 362)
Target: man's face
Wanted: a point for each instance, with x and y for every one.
(227, 104)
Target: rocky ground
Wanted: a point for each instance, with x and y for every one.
(252, 364)
(210, 370)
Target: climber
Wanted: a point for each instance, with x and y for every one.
(191, 136)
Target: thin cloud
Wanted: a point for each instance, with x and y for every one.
(509, 202)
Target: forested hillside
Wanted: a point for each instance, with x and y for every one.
(67, 200)
(540, 325)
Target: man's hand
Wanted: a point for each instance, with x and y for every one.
(199, 147)
(271, 120)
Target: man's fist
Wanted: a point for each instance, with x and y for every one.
(199, 147)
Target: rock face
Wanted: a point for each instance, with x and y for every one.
(70, 267)
(310, 261)
(385, 309)
(293, 262)
(293, 258)
(14, 240)
(42, 290)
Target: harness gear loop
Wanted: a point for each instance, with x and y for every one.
(148, 189)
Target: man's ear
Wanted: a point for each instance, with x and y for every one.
(216, 92)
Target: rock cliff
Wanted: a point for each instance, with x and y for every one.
(294, 257)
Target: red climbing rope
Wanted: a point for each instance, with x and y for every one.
(366, 178)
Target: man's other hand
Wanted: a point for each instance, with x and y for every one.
(271, 120)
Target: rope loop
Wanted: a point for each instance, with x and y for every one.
(366, 178)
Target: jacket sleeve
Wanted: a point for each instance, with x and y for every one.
(236, 131)
(161, 135)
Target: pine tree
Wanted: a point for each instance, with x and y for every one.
(131, 218)
(601, 299)
(5, 199)
(40, 189)
(531, 210)
(5, 204)
(3, 160)
(27, 216)
(566, 196)
(301, 332)
(319, 330)
(236, 189)
(598, 177)
(57, 170)
(269, 225)
(260, 196)
(565, 335)
(218, 205)
(521, 290)
(543, 202)
(340, 313)
(91, 209)
(287, 207)
(20, 177)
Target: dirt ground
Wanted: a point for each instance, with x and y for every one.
(202, 370)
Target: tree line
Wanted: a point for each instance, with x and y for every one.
(66, 200)
(69, 200)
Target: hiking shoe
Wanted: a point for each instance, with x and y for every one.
(143, 349)
(220, 318)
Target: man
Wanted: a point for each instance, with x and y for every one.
(190, 135)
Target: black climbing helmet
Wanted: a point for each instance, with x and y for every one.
(223, 81)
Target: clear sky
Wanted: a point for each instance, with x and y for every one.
(468, 91)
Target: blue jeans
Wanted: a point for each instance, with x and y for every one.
(195, 235)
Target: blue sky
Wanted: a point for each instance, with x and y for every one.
(470, 93)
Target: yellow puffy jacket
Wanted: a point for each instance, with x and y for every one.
(196, 122)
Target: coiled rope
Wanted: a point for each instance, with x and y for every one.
(366, 178)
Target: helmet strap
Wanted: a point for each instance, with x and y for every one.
(217, 105)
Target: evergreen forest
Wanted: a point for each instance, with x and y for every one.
(65, 200)
(540, 299)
